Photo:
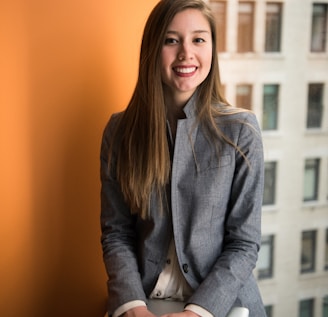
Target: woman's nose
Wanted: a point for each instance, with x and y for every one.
(184, 52)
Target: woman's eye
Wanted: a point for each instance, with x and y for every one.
(170, 40)
(199, 40)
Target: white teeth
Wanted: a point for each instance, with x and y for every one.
(185, 70)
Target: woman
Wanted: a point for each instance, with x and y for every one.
(182, 179)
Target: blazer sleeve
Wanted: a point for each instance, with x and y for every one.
(118, 236)
(233, 268)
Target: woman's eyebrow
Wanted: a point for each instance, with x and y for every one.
(196, 31)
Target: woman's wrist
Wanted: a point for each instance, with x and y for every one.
(140, 311)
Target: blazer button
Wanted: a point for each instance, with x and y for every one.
(185, 268)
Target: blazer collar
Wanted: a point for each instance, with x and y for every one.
(190, 107)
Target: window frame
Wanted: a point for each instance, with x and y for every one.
(309, 303)
(270, 175)
(220, 14)
(326, 250)
(267, 273)
(245, 27)
(270, 105)
(273, 27)
(315, 105)
(325, 306)
(311, 165)
(268, 310)
(310, 238)
(244, 100)
(318, 42)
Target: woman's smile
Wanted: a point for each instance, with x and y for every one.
(185, 71)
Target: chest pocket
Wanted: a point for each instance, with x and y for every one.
(208, 163)
(207, 158)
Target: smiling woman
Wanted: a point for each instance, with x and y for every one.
(182, 180)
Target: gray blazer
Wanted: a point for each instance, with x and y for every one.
(215, 219)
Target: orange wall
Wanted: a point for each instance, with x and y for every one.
(65, 66)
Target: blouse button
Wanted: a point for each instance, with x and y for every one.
(185, 268)
(158, 294)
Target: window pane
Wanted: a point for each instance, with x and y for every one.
(273, 27)
(245, 26)
(315, 105)
(311, 179)
(269, 192)
(319, 27)
(244, 96)
(306, 308)
(268, 311)
(270, 107)
(325, 307)
(308, 251)
(326, 252)
(265, 259)
(219, 11)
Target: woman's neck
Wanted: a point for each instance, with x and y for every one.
(175, 112)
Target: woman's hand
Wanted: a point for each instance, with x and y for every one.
(140, 311)
(186, 313)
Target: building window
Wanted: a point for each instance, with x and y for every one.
(308, 251)
(311, 179)
(306, 308)
(326, 252)
(219, 9)
(245, 26)
(244, 96)
(265, 259)
(325, 306)
(273, 27)
(269, 192)
(319, 27)
(270, 107)
(315, 105)
(269, 311)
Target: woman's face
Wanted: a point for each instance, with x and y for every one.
(186, 53)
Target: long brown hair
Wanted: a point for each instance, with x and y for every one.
(143, 161)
